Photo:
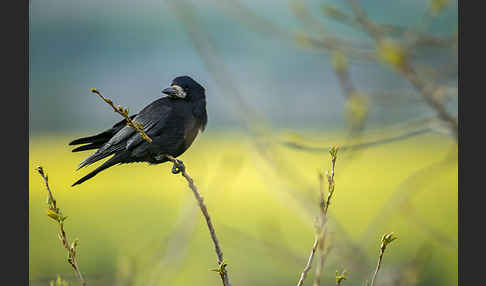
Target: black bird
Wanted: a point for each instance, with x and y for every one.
(172, 122)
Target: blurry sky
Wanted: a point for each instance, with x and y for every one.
(131, 50)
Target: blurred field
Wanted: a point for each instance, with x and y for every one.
(139, 224)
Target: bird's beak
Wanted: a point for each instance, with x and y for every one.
(170, 91)
(175, 91)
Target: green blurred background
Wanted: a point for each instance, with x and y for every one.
(276, 102)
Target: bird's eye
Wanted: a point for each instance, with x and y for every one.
(180, 91)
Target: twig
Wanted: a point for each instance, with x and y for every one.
(309, 262)
(56, 214)
(363, 145)
(221, 264)
(320, 226)
(322, 258)
(124, 112)
(180, 168)
(330, 179)
(322, 250)
(387, 239)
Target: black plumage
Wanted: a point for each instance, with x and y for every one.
(172, 122)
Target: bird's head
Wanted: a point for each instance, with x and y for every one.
(184, 87)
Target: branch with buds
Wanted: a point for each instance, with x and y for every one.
(124, 112)
(55, 213)
(385, 241)
(179, 168)
(321, 222)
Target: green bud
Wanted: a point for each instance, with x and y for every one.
(52, 214)
(387, 239)
(340, 277)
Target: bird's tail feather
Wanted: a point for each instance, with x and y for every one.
(98, 138)
(100, 154)
(88, 147)
(102, 137)
(112, 161)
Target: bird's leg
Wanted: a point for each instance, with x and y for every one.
(178, 165)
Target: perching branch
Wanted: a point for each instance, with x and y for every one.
(124, 113)
(55, 213)
(221, 264)
(180, 168)
(387, 239)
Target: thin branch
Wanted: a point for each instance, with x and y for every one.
(380, 258)
(387, 239)
(330, 179)
(321, 231)
(56, 214)
(309, 262)
(322, 258)
(124, 112)
(323, 204)
(359, 146)
(221, 264)
(180, 168)
(51, 197)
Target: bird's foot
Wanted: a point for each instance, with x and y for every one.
(178, 167)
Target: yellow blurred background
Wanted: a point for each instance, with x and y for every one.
(139, 225)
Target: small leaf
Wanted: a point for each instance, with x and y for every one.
(74, 245)
(333, 151)
(388, 238)
(40, 170)
(340, 277)
(221, 268)
(52, 214)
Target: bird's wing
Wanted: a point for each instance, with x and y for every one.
(127, 137)
(153, 119)
(98, 140)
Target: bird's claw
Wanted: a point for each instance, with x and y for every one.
(178, 167)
